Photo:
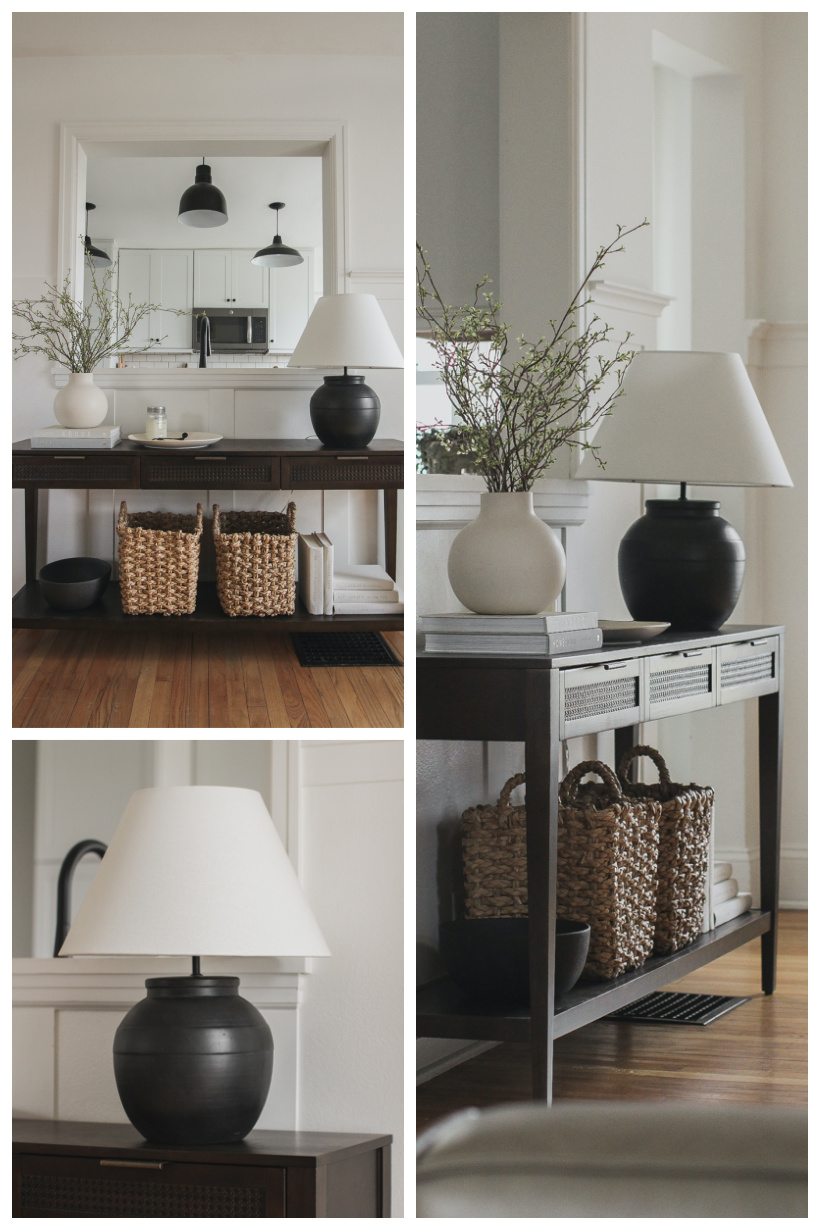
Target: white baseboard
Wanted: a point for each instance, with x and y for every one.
(794, 873)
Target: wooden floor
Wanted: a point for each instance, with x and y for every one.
(182, 679)
(756, 1053)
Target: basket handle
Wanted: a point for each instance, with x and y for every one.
(291, 515)
(123, 517)
(199, 516)
(216, 529)
(568, 791)
(654, 755)
(507, 789)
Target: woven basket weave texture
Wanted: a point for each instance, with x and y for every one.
(158, 561)
(256, 561)
(607, 865)
(683, 850)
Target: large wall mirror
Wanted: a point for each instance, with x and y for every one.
(135, 175)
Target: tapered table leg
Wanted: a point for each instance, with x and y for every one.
(770, 753)
(391, 529)
(541, 766)
(31, 533)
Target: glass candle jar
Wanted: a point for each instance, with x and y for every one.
(156, 423)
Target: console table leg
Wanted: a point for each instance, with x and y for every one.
(541, 766)
(31, 533)
(770, 754)
(391, 529)
(626, 737)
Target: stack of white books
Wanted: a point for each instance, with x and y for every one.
(727, 901)
(365, 589)
(354, 589)
(74, 437)
(533, 635)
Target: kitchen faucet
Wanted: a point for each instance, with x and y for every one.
(204, 340)
(69, 866)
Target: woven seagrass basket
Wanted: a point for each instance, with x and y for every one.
(683, 850)
(608, 868)
(159, 561)
(607, 865)
(494, 853)
(256, 561)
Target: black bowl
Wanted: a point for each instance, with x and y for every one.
(73, 584)
(488, 958)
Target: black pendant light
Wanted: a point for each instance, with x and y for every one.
(278, 254)
(94, 256)
(202, 204)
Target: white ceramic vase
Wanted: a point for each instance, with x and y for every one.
(80, 403)
(507, 561)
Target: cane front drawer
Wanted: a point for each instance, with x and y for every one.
(210, 471)
(109, 469)
(114, 1187)
(680, 683)
(748, 668)
(363, 470)
(595, 698)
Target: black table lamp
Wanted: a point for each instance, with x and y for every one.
(688, 417)
(194, 870)
(346, 331)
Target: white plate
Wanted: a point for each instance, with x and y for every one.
(194, 439)
(630, 630)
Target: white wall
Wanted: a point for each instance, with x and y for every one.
(364, 92)
(338, 1028)
(748, 70)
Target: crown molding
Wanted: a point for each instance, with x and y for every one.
(628, 298)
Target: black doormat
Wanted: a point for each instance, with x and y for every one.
(678, 1008)
(343, 649)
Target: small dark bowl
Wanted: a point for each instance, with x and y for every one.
(74, 584)
(488, 958)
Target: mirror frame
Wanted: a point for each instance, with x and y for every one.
(293, 138)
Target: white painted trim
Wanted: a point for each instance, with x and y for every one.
(155, 377)
(324, 138)
(284, 781)
(377, 275)
(450, 501)
(628, 298)
(98, 982)
(794, 873)
(782, 343)
(173, 762)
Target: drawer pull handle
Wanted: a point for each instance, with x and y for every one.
(115, 1161)
(210, 457)
(693, 653)
(757, 642)
(81, 457)
(352, 458)
(615, 666)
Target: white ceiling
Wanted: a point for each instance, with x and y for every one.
(197, 33)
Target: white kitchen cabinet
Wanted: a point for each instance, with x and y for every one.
(292, 300)
(164, 277)
(226, 276)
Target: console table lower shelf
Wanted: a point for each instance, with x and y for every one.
(443, 1012)
(64, 1169)
(30, 610)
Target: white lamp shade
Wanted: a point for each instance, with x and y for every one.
(194, 871)
(687, 417)
(347, 331)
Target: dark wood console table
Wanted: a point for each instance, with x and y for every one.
(230, 465)
(66, 1169)
(540, 702)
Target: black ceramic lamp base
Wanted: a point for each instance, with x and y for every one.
(193, 1062)
(345, 412)
(683, 564)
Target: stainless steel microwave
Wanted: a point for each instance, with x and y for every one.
(233, 329)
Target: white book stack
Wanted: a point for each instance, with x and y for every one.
(532, 635)
(310, 580)
(365, 589)
(726, 901)
(76, 437)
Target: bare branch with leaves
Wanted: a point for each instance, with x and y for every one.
(515, 411)
(80, 336)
